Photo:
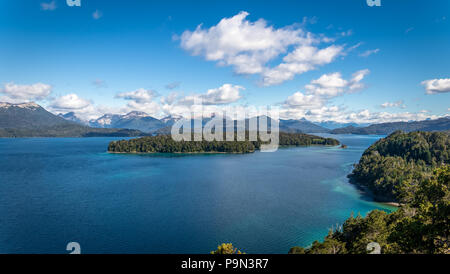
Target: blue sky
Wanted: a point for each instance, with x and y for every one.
(322, 60)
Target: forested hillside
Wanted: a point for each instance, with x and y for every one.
(392, 168)
(420, 226)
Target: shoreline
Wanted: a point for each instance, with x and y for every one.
(366, 193)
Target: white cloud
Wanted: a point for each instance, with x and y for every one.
(435, 86)
(97, 14)
(212, 101)
(248, 47)
(342, 115)
(302, 59)
(140, 95)
(141, 100)
(369, 52)
(314, 104)
(332, 84)
(225, 94)
(83, 109)
(70, 102)
(398, 104)
(48, 6)
(299, 99)
(24, 93)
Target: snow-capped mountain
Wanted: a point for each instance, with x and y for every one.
(71, 116)
(171, 119)
(105, 121)
(133, 120)
(30, 106)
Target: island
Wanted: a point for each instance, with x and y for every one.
(165, 144)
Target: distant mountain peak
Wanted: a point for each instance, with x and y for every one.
(71, 116)
(134, 114)
(30, 105)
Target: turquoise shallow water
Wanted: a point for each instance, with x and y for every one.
(57, 190)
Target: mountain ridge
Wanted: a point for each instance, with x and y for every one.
(32, 120)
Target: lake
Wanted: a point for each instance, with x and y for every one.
(58, 190)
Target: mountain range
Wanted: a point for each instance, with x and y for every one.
(441, 124)
(145, 123)
(32, 120)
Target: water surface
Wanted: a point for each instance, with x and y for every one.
(57, 190)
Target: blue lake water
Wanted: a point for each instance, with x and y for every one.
(57, 190)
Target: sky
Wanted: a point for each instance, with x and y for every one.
(342, 61)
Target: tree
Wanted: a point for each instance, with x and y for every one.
(226, 248)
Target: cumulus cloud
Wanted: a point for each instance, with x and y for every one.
(315, 104)
(343, 115)
(211, 101)
(435, 86)
(302, 59)
(398, 104)
(83, 109)
(25, 93)
(70, 102)
(140, 95)
(332, 84)
(299, 99)
(225, 94)
(141, 100)
(369, 52)
(248, 47)
(48, 6)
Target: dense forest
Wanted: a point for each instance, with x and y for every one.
(412, 168)
(165, 144)
(68, 130)
(420, 226)
(392, 168)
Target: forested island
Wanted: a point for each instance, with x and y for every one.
(165, 144)
(409, 167)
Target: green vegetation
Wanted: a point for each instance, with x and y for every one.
(420, 226)
(165, 144)
(226, 249)
(68, 130)
(412, 168)
(392, 168)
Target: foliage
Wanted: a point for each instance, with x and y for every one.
(165, 144)
(226, 248)
(392, 168)
(421, 226)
